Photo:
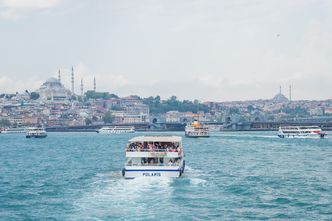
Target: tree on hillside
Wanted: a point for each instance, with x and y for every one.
(108, 118)
(34, 95)
(88, 121)
(5, 123)
(98, 95)
(157, 105)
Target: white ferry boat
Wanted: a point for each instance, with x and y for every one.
(116, 129)
(36, 132)
(13, 130)
(196, 129)
(300, 132)
(154, 156)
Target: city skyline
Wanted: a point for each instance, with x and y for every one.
(206, 50)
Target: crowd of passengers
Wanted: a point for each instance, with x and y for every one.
(154, 147)
(156, 161)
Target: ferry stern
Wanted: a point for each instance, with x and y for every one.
(154, 156)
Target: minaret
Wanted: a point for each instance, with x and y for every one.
(81, 88)
(59, 76)
(290, 92)
(72, 80)
(94, 84)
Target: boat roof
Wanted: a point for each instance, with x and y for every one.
(156, 139)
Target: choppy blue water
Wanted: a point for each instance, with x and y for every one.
(229, 176)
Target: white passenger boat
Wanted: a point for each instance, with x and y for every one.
(116, 129)
(154, 156)
(196, 129)
(36, 132)
(14, 130)
(300, 132)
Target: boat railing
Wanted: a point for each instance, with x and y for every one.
(153, 164)
(153, 150)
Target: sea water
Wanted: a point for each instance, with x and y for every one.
(229, 176)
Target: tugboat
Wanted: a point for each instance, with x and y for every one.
(154, 156)
(36, 132)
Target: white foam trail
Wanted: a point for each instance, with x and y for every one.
(197, 181)
(112, 195)
(195, 176)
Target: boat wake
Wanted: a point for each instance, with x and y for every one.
(111, 196)
(195, 176)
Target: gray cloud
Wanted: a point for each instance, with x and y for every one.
(210, 50)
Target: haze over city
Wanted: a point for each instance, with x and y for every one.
(206, 50)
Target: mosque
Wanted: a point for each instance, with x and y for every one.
(52, 89)
(280, 98)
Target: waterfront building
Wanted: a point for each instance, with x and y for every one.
(183, 117)
(317, 111)
(328, 110)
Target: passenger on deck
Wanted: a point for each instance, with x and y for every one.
(151, 161)
(158, 147)
(145, 146)
(179, 150)
(151, 148)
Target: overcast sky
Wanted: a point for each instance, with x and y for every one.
(211, 50)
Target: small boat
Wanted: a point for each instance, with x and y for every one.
(116, 129)
(154, 156)
(36, 132)
(196, 129)
(300, 132)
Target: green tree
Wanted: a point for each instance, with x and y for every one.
(88, 121)
(99, 95)
(234, 110)
(34, 95)
(157, 105)
(108, 118)
(5, 123)
(250, 108)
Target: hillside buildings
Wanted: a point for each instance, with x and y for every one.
(57, 106)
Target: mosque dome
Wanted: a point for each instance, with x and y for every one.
(52, 80)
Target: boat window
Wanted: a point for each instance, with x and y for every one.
(153, 161)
